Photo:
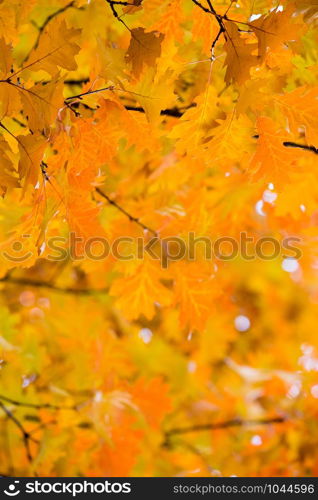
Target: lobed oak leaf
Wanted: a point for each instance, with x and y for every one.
(110, 62)
(144, 49)
(298, 199)
(128, 125)
(272, 160)
(19, 250)
(133, 7)
(255, 6)
(231, 136)
(41, 104)
(240, 55)
(9, 96)
(275, 29)
(151, 397)
(154, 93)
(204, 29)
(8, 25)
(95, 142)
(196, 293)
(56, 49)
(169, 23)
(10, 103)
(137, 294)
(194, 124)
(6, 60)
(31, 148)
(8, 174)
(301, 109)
(126, 439)
(82, 217)
(21, 9)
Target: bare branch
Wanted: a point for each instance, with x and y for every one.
(51, 286)
(25, 435)
(235, 422)
(36, 406)
(289, 144)
(175, 112)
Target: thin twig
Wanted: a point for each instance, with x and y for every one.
(51, 286)
(112, 5)
(37, 406)
(235, 422)
(122, 210)
(26, 436)
(289, 144)
(103, 89)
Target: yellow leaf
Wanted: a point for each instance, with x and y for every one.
(272, 159)
(42, 103)
(275, 29)
(31, 149)
(196, 292)
(8, 177)
(301, 108)
(57, 47)
(137, 294)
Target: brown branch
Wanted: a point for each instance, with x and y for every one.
(127, 214)
(36, 406)
(289, 144)
(103, 89)
(205, 9)
(235, 422)
(25, 435)
(76, 82)
(219, 18)
(211, 10)
(112, 4)
(175, 112)
(51, 286)
(79, 96)
(19, 122)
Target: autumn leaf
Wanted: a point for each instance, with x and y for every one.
(275, 29)
(240, 55)
(57, 48)
(143, 290)
(196, 294)
(41, 103)
(299, 106)
(31, 153)
(272, 159)
(152, 399)
(8, 177)
(144, 49)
